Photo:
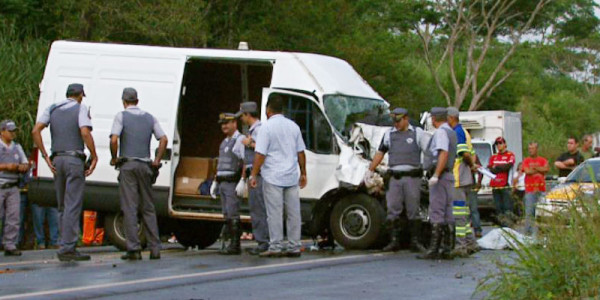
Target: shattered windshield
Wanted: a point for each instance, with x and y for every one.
(586, 172)
(344, 111)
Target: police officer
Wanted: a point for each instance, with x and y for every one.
(439, 161)
(229, 172)
(249, 115)
(70, 128)
(131, 133)
(12, 162)
(404, 143)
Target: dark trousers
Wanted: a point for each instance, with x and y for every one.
(69, 182)
(230, 203)
(258, 212)
(502, 200)
(135, 191)
(441, 196)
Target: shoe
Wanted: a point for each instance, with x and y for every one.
(270, 253)
(296, 253)
(434, 244)
(394, 244)
(14, 252)
(132, 255)
(155, 256)
(72, 256)
(258, 249)
(478, 234)
(41, 247)
(234, 248)
(448, 241)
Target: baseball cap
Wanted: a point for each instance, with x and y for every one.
(453, 111)
(247, 107)
(129, 94)
(75, 89)
(8, 125)
(499, 140)
(226, 117)
(439, 111)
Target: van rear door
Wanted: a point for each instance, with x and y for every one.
(321, 148)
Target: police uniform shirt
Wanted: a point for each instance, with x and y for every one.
(422, 141)
(85, 119)
(238, 147)
(117, 126)
(22, 157)
(254, 129)
(440, 140)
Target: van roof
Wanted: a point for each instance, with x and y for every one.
(301, 71)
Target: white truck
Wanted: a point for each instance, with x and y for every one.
(186, 89)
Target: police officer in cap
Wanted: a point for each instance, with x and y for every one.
(249, 115)
(439, 162)
(130, 136)
(229, 172)
(404, 143)
(13, 162)
(70, 128)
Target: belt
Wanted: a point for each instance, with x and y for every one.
(229, 178)
(411, 173)
(68, 153)
(8, 185)
(155, 171)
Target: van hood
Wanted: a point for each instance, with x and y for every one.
(357, 153)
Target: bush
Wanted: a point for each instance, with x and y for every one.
(565, 266)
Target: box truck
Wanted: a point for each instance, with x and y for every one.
(186, 89)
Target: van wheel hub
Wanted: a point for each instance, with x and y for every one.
(355, 221)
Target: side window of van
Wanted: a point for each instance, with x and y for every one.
(316, 132)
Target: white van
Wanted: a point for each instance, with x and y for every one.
(186, 89)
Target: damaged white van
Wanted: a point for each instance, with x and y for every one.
(186, 89)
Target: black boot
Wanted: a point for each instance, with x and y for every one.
(415, 235)
(448, 241)
(132, 255)
(225, 234)
(394, 244)
(234, 247)
(434, 244)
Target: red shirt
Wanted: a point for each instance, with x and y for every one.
(500, 159)
(535, 182)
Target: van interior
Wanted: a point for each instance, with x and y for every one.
(210, 87)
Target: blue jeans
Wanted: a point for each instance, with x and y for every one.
(473, 209)
(531, 199)
(40, 214)
(503, 201)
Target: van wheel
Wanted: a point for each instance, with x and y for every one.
(115, 231)
(357, 222)
(197, 233)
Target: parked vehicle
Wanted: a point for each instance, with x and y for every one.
(186, 89)
(583, 180)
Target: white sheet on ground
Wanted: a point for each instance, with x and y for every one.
(503, 238)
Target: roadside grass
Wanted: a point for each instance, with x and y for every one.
(564, 264)
(22, 64)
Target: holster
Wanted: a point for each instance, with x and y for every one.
(400, 174)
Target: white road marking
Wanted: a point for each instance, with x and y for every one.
(185, 276)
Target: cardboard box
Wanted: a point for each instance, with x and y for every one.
(191, 172)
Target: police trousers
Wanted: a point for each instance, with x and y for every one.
(10, 204)
(403, 193)
(441, 196)
(69, 182)
(230, 202)
(258, 212)
(135, 191)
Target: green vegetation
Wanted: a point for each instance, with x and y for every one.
(376, 36)
(565, 266)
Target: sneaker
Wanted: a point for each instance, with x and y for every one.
(258, 249)
(41, 247)
(72, 256)
(271, 253)
(13, 252)
(154, 256)
(478, 234)
(132, 255)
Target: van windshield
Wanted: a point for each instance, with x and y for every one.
(344, 111)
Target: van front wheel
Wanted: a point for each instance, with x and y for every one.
(357, 222)
(115, 231)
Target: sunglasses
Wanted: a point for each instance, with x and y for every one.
(500, 143)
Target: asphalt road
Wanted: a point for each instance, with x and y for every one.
(205, 274)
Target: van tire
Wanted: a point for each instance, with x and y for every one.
(357, 222)
(199, 234)
(115, 231)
